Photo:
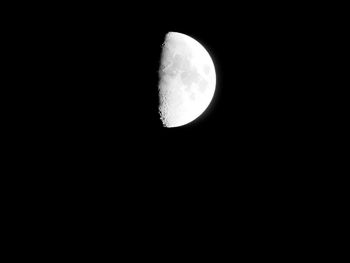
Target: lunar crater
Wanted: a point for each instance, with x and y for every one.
(206, 69)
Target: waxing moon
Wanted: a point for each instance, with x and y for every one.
(187, 80)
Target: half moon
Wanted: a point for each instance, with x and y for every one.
(187, 80)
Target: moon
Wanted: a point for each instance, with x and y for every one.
(187, 80)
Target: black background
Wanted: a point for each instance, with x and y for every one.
(94, 72)
(93, 136)
(101, 66)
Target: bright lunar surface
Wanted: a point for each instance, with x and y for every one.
(187, 80)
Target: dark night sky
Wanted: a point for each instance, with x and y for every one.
(101, 64)
(259, 116)
(93, 131)
(102, 105)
